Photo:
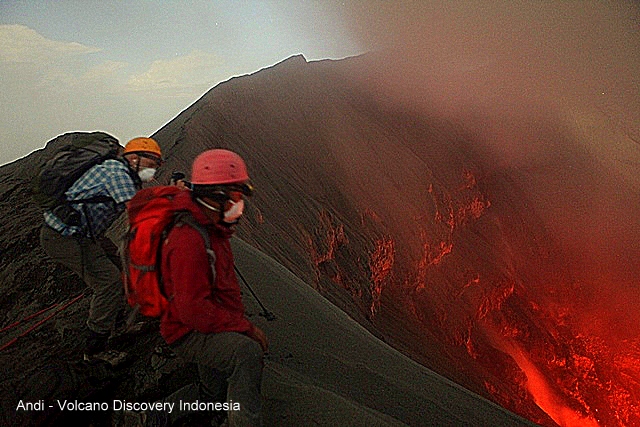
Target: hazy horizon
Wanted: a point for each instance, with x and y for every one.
(129, 68)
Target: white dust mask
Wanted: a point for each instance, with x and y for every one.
(207, 205)
(234, 212)
(146, 174)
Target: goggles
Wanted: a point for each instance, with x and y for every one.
(221, 193)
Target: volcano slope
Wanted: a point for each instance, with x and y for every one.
(415, 226)
(323, 368)
(494, 262)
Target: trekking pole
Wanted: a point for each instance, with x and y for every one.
(265, 313)
(37, 325)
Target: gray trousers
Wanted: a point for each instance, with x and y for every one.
(229, 364)
(96, 262)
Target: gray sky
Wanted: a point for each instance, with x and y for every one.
(128, 67)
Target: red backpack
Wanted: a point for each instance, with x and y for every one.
(152, 214)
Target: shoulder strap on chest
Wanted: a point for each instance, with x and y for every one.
(188, 219)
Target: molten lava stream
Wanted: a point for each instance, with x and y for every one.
(538, 385)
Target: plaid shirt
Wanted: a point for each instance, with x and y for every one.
(110, 178)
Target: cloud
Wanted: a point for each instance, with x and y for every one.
(178, 76)
(30, 63)
(104, 69)
(20, 44)
(68, 85)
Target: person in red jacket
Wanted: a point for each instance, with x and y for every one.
(205, 321)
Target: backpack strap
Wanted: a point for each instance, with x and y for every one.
(133, 174)
(185, 217)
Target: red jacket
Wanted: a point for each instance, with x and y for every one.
(196, 304)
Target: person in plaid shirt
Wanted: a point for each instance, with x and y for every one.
(83, 247)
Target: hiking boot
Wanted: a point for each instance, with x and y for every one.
(125, 325)
(125, 330)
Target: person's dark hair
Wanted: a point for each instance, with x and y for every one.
(177, 176)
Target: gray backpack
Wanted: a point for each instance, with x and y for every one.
(70, 162)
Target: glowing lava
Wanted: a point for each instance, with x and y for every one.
(540, 388)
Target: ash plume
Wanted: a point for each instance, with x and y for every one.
(546, 93)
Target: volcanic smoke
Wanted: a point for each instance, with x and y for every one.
(549, 94)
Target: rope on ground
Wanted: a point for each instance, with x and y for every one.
(14, 324)
(38, 324)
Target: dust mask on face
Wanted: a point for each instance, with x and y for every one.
(234, 212)
(146, 174)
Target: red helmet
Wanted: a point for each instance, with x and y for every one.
(218, 166)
